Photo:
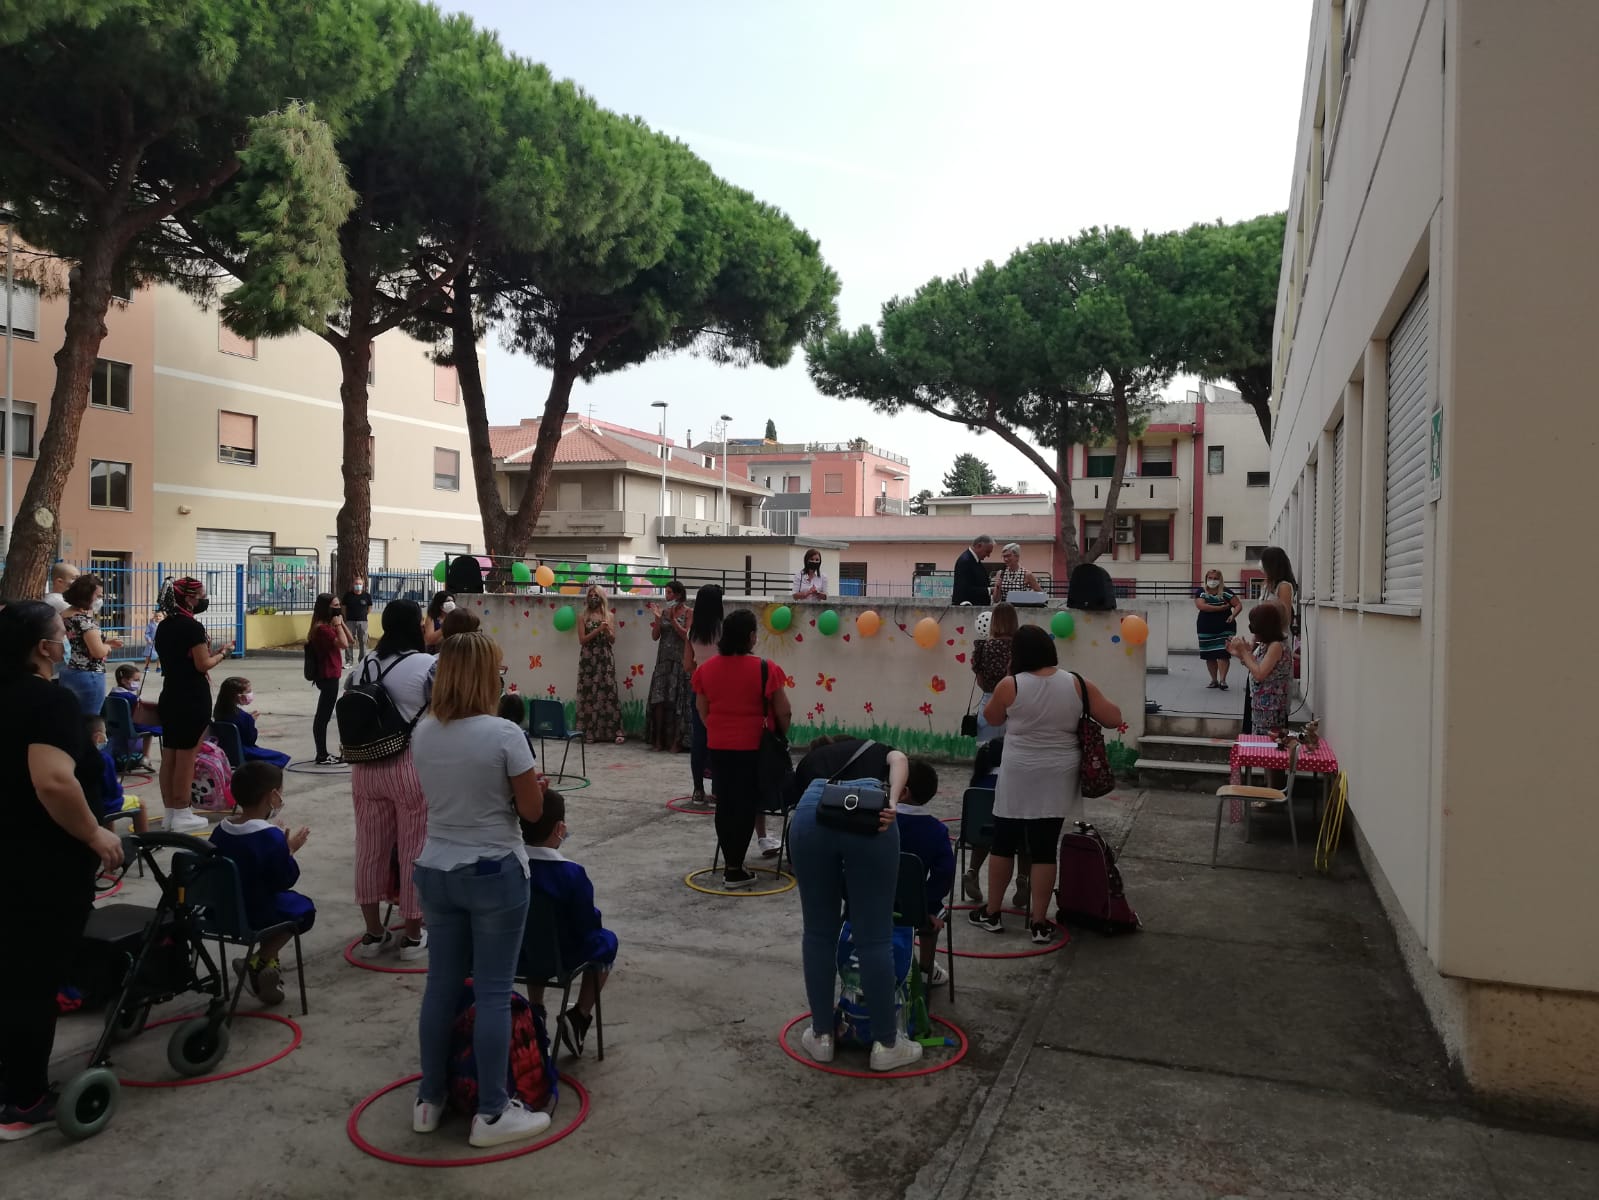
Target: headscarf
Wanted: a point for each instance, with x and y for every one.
(186, 593)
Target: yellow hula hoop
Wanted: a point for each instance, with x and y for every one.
(777, 891)
(1332, 825)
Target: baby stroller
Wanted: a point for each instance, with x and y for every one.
(133, 957)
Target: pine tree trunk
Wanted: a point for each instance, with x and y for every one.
(36, 536)
(1107, 529)
(463, 351)
(354, 522)
(1065, 505)
(519, 529)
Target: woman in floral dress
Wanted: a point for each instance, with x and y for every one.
(599, 710)
(668, 725)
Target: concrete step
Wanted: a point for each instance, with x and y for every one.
(1165, 747)
(1181, 776)
(1192, 726)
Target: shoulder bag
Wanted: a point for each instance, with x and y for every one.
(1094, 776)
(853, 807)
(774, 767)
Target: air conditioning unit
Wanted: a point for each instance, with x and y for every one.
(1124, 537)
(1124, 523)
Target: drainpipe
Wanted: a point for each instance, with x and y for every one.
(1196, 566)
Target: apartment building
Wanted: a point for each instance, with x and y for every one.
(1436, 296)
(820, 479)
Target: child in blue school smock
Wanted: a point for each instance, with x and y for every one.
(582, 937)
(232, 697)
(112, 798)
(925, 836)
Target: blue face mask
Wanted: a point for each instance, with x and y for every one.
(565, 833)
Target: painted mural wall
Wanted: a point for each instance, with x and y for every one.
(884, 686)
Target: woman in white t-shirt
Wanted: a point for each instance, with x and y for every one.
(391, 820)
(704, 628)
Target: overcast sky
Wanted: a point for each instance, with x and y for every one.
(917, 138)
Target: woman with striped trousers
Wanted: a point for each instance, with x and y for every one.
(391, 821)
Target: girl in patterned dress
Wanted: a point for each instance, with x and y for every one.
(599, 709)
(668, 725)
(1270, 667)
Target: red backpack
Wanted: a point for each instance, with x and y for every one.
(530, 1077)
(1088, 886)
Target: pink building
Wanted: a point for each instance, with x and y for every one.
(820, 479)
(886, 555)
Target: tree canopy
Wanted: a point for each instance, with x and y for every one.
(969, 476)
(771, 430)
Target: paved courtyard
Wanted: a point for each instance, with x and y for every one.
(1259, 1039)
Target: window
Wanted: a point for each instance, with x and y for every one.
(1258, 479)
(1253, 553)
(1404, 517)
(1337, 549)
(446, 385)
(1156, 462)
(24, 309)
(236, 438)
(568, 496)
(22, 416)
(110, 484)
(832, 483)
(1216, 460)
(699, 508)
(372, 457)
(1154, 538)
(1213, 534)
(231, 343)
(1101, 464)
(791, 483)
(446, 469)
(111, 386)
(372, 364)
(926, 568)
(1091, 534)
(852, 579)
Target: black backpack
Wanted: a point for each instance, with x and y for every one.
(313, 668)
(1090, 588)
(370, 726)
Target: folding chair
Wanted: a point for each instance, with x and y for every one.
(540, 961)
(119, 731)
(1248, 795)
(910, 906)
(210, 885)
(226, 735)
(547, 719)
(784, 810)
(977, 823)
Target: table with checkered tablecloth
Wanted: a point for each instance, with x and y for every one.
(1253, 752)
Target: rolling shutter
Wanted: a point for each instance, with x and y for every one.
(1338, 515)
(1310, 560)
(227, 545)
(1405, 461)
(434, 552)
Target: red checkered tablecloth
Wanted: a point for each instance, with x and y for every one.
(1261, 753)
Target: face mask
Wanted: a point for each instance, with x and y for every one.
(275, 808)
(99, 741)
(359, 588)
(448, 606)
(247, 698)
(565, 833)
(1213, 584)
(200, 605)
(64, 643)
(98, 604)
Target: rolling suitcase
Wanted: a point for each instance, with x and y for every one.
(1088, 886)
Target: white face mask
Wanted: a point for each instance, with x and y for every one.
(247, 698)
(99, 603)
(1213, 584)
(448, 606)
(359, 588)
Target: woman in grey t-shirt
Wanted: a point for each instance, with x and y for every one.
(478, 776)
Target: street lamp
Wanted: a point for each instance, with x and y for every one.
(661, 404)
(727, 509)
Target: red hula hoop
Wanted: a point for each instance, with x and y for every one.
(141, 776)
(349, 957)
(115, 887)
(1058, 944)
(806, 1060)
(352, 1128)
(265, 1062)
(708, 811)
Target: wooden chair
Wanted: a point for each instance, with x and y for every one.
(1249, 795)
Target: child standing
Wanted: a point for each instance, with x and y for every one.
(264, 854)
(985, 774)
(129, 682)
(925, 836)
(582, 938)
(112, 798)
(234, 694)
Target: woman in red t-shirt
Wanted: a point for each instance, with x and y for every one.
(325, 662)
(735, 708)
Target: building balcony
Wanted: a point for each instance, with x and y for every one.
(585, 522)
(703, 527)
(1146, 493)
(888, 506)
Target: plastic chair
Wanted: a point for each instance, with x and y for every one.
(210, 885)
(977, 823)
(785, 810)
(910, 906)
(119, 731)
(540, 961)
(226, 735)
(547, 719)
(1274, 796)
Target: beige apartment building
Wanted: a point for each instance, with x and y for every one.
(1431, 478)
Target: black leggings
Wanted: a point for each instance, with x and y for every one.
(738, 801)
(327, 696)
(39, 953)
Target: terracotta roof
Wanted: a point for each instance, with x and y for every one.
(582, 444)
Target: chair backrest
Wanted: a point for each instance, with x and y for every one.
(119, 731)
(977, 818)
(546, 718)
(910, 892)
(226, 735)
(210, 884)
(540, 959)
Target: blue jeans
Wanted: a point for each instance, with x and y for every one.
(88, 687)
(698, 752)
(474, 918)
(825, 860)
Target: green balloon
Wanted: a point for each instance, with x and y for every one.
(521, 573)
(623, 582)
(438, 571)
(827, 623)
(659, 576)
(565, 618)
(782, 617)
(1062, 625)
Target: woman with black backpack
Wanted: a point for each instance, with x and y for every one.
(391, 819)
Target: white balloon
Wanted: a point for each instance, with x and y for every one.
(984, 620)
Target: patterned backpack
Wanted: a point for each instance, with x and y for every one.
(851, 1024)
(212, 790)
(531, 1076)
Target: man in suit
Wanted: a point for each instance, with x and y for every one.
(971, 579)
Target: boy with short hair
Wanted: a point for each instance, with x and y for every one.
(925, 836)
(582, 938)
(264, 854)
(129, 677)
(112, 798)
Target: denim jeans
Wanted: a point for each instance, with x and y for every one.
(825, 860)
(474, 918)
(698, 753)
(87, 686)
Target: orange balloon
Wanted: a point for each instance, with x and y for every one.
(926, 633)
(868, 623)
(544, 576)
(570, 589)
(1135, 630)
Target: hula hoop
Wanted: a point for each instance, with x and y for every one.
(115, 887)
(349, 957)
(265, 1062)
(352, 1128)
(560, 782)
(806, 1060)
(709, 810)
(309, 766)
(140, 776)
(1057, 944)
(787, 887)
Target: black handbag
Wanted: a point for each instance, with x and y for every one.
(969, 721)
(774, 767)
(852, 807)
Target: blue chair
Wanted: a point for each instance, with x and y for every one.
(226, 735)
(540, 961)
(547, 719)
(210, 886)
(119, 731)
(977, 822)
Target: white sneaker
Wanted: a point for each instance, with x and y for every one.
(939, 974)
(185, 820)
(512, 1125)
(902, 1053)
(769, 846)
(410, 953)
(818, 1046)
(425, 1117)
(370, 947)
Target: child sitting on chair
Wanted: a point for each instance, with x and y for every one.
(985, 774)
(514, 709)
(264, 854)
(235, 693)
(112, 798)
(129, 677)
(581, 936)
(925, 836)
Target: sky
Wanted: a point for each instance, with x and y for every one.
(919, 138)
